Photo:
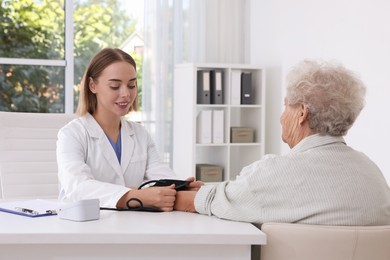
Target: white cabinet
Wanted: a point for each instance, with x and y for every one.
(231, 156)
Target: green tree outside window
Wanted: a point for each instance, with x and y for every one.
(35, 30)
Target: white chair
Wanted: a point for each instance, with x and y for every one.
(316, 242)
(28, 164)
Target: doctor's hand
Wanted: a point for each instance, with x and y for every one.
(193, 185)
(162, 198)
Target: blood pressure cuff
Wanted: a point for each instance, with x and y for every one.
(179, 186)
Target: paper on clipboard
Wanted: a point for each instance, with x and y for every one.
(31, 208)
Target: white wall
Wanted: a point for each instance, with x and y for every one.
(354, 32)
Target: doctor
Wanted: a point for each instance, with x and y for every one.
(102, 155)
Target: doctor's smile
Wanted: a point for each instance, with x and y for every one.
(123, 105)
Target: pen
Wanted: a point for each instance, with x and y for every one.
(51, 211)
(24, 210)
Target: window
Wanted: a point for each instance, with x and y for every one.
(45, 46)
(32, 56)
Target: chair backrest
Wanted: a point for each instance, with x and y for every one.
(28, 164)
(308, 242)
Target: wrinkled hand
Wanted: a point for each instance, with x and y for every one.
(193, 185)
(185, 201)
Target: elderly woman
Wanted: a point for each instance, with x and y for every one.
(322, 180)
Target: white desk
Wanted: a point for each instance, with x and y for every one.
(127, 235)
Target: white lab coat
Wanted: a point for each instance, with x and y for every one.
(89, 168)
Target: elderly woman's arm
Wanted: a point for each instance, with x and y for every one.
(214, 199)
(239, 200)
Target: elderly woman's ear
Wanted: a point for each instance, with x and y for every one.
(303, 113)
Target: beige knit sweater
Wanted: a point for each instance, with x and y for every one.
(321, 181)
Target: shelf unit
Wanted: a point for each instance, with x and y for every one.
(231, 156)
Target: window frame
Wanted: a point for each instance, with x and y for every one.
(67, 62)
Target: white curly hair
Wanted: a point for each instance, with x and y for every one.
(333, 95)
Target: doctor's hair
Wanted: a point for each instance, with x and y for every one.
(333, 95)
(101, 60)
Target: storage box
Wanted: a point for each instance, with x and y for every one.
(209, 172)
(242, 135)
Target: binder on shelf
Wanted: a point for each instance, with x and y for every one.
(204, 127)
(235, 98)
(246, 88)
(216, 87)
(218, 126)
(203, 87)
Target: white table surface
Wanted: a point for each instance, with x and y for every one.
(141, 235)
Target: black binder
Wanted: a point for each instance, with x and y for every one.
(216, 87)
(203, 87)
(246, 88)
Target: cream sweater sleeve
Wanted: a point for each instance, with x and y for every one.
(234, 200)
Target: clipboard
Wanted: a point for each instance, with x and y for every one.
(31, 208)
